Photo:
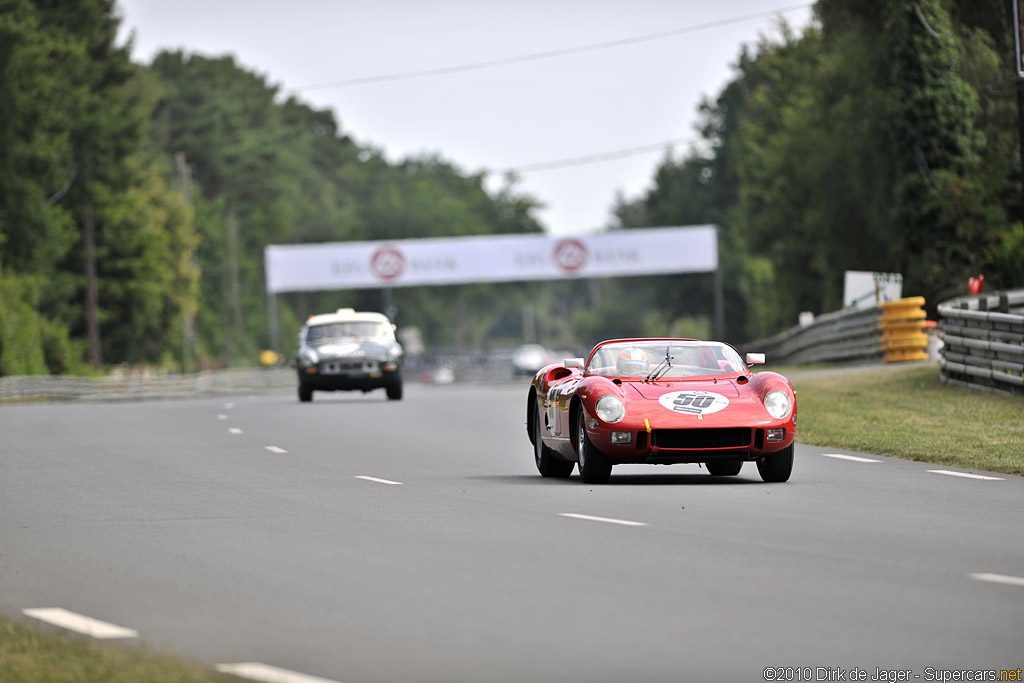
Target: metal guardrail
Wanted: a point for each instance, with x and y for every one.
(893, 331)
(465, 369)
(212, 383)
(849, 335)
(983, 342)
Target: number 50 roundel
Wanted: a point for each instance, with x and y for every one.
(694, 402)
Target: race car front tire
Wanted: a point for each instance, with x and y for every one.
(777, 467)
(394, 392)
(594, 466)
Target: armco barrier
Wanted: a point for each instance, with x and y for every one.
(850, 335)
(213, 383)
(983, 341)
(892, 331)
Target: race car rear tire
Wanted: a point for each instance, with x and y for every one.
(594, 466)
(548, 464)
(305, 393)
(724, 468)
(777, 467)
(394, 392)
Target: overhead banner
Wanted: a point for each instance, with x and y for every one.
(493, 258)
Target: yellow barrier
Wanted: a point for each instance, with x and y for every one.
(268, 358)
(903, 324)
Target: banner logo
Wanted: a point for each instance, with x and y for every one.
(388, 263)
(570, 255)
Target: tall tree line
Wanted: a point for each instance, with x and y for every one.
(136, 200)
(882, 138)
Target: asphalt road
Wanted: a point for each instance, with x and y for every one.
(240, 530)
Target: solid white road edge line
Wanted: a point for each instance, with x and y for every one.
(606, 520)
(380, 481)
(999, 578)
(968, 476)
(854, 458)
(80, 623)
(255, 671)
(275, 449)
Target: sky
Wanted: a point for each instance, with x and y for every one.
(618, 107)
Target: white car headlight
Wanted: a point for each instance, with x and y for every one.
(610, 408)
(777, 404)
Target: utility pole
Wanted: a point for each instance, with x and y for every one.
(92, 323)
(1019, 78)
(236, 288)
(188, 323)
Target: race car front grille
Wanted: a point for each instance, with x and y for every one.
(700, 439)
(337, 367)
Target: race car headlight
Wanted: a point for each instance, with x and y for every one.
(308, 358)
(610, 408)
(777, 404)
(394, 352)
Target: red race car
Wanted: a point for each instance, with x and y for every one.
(661, 401)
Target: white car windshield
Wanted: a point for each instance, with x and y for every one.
(318, 334)
(664, 359)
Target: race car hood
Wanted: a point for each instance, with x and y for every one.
(351, 349)
(655, 390)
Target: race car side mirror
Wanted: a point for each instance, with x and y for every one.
(573, 363)
(755, 358)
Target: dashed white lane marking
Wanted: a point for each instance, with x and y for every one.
(275, 449)
(222, 417)
(80, 623)
(999, 578)
(266, 673)
(854, 458)
(968, 476)
(381, 481)
(229, 406)
(234, 430)
(606, 520)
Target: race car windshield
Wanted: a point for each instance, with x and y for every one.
(664, 359)
(319, 334)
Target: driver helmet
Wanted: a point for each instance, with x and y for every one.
(632, 361)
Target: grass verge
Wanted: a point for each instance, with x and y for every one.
(29, 655)
(908, 413)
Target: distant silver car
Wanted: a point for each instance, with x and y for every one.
(529, 358)
(349, 350)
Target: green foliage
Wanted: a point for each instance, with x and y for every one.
(29, 343)
(864, 143)
(147, 280)
(73, 111)
(38, 99)
(34, 655)
(1009, 260)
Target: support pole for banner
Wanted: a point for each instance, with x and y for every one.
(272, 317)
(719, 290)
(388, 304)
